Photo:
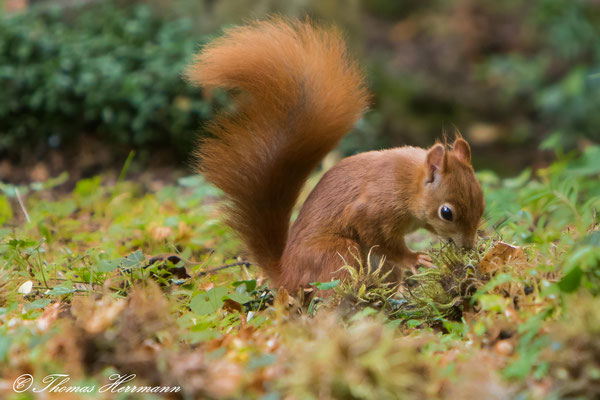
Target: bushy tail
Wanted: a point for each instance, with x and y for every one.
(296, 94)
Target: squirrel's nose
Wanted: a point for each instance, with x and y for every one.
(468, 242)
(463, 242)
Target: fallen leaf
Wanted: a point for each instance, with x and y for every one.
(184, 232)
(283, 298)
(500, 255)
(48, 317)
(231, 305)
(96, 316)
(159, 233)
(504, 347)
(25, 288)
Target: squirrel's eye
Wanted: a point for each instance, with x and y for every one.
(446, 213)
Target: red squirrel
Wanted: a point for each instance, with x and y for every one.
(296, 94)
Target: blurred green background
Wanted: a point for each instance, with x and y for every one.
(84, 82)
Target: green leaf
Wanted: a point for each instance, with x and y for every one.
(202, 306)
(62, 289)
(571, 281)
(413, 323)
(362, 314)
(514, 183)
(326, 285)
(208, 302)
(479, 328)
(16, 243)
(50, 183)
(493, 302)
(105, 266)
(489, 286)
(241, 298)
(250, 284)
(40, 303)
(133, 260)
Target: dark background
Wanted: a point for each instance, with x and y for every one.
(82, 83)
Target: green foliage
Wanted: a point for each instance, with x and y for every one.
(5, 210)
(528, 74)
(505, 73)
(558, 210)
(108, 69)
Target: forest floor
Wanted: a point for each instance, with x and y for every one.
(119, 277)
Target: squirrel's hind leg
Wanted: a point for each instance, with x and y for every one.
(318, 260)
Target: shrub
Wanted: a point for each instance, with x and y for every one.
(105, 69)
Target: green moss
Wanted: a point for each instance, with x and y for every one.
(442, 291)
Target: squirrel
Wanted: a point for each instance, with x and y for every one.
(296, 93)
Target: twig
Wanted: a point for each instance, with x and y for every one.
(22, 206)
(74, 290)
(217, 269)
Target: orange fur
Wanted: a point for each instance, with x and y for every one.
(305, 95)
(297, 95)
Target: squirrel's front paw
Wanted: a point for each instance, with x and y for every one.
(417, 259)
(424, 259)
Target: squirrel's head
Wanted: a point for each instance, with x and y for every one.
(452, 203)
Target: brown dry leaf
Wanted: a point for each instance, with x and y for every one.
(502, 254)
(231, 306)
(48, 317)
(484, 134)
(184, 232)
(68, 347)
(210, 243)
(39, 173)
(448, 357)
(96, 316)
(479, 379)
(225, 379)
(219, 379)
(159, 233)
(282, 299)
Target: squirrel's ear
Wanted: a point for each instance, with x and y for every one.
(435, 162)
(461, 150)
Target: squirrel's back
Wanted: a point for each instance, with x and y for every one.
(296, 95)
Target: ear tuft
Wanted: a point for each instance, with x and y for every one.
(435, 161)
(462, 150)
